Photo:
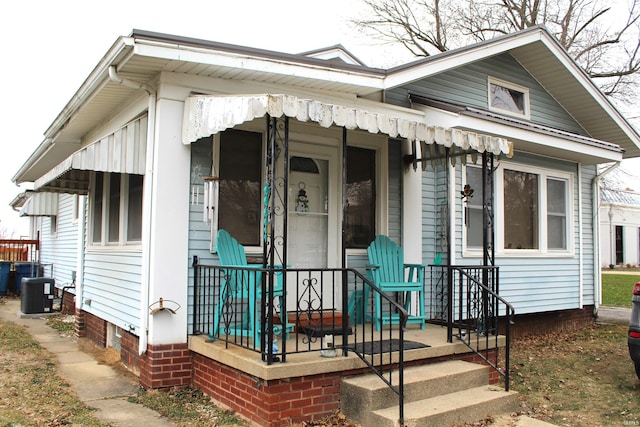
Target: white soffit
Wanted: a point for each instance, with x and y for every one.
(123, 151)
(40, 204)
(209, 114)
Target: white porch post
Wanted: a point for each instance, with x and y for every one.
(166, 212)
(412, 211)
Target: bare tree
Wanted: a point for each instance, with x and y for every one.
(604, 41)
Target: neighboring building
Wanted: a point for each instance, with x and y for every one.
(170, 139)
(620, 219)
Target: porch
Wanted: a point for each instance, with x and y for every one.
(294, 367)
(433, 338)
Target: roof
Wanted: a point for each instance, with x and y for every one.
(620, 187)
(142, 55)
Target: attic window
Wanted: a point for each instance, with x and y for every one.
(508, 98)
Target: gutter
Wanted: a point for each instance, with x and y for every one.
(595, 191)
(147, 191)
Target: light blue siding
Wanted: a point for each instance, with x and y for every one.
(468, 86)
(59, 251)
(112, 280)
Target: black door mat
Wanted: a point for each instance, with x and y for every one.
(385, 346)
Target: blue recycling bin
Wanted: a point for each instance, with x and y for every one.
(25, 270)
(5, 271)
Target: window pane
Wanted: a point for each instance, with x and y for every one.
(114, 207)
(557, 232)
(556, 214)
(474, 222)
(97, 208)
(360, 221)
(134, 210)
(507, 99)
(239, 206)
(520, 210)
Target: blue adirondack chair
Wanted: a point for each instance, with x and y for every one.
(242, 284)
(391, 274)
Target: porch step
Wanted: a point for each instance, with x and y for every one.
(466, 406)
(434, 394)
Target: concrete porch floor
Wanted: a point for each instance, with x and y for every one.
(312, 363)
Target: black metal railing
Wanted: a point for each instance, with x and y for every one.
(329, 310)
(476, 314)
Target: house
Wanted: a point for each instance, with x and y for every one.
(480, 162)
(619, 223)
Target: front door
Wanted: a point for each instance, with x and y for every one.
(308, 212)
(313, 232)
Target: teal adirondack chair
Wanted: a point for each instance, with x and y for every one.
(391, 274)
(244, 284)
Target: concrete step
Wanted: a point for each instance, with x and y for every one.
(466, 406)
(361, 395)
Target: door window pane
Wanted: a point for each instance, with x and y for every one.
(239, 206)
(360, 220)
(520, 210)
(473, 208)
(556, 214)
(134, 211)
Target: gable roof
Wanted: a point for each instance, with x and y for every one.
(142, 55)
(548, 62)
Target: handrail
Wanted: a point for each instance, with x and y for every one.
(370, 362)
(478, 313)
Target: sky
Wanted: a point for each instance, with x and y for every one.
(50, 47)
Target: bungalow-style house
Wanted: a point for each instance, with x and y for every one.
(480, 163)
(619, 219)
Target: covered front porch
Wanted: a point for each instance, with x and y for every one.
(309, 304)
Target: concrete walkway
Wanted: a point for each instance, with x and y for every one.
(97, 385)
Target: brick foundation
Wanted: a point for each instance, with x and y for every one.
(166, 366)
(95, 329)
(129, 351)
(269, 403)
(68, 303)
(552, 321)
(80, 326)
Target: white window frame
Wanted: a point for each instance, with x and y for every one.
(123, 213)
(512, 86)
(542, 251)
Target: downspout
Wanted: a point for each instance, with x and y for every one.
(595, 191)
(580, 241)
(146, 241)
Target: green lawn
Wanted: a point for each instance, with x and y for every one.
(617, 288)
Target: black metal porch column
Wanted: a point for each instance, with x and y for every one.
(488, 243)
(275, 201)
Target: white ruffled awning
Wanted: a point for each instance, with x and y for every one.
(206, 115)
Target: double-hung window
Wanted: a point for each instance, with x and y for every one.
(532, 210)
(116, 209)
